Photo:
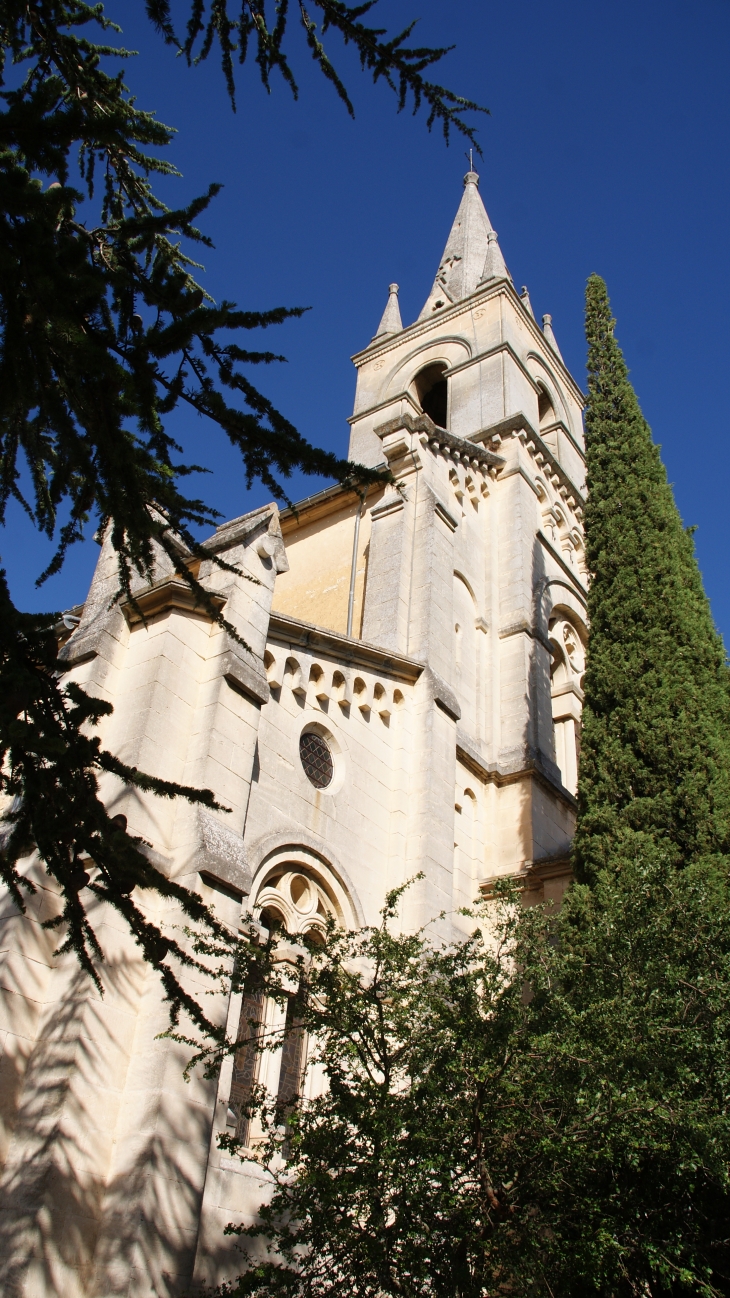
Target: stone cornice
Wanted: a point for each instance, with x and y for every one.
(325, 502)
(318, 640)
(532, 876)
(460, 447)
(173, 592)
(561, 427)
(383, 405)
(522, 627)
(582, 590)
(237, 529)
(491, 772)
(516, 424)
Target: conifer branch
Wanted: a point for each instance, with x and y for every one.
(391, 60)
(104, 333)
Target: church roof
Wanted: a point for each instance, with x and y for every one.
(464, 263)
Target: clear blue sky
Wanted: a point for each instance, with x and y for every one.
(606, 150)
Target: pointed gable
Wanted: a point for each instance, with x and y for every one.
(465, 253)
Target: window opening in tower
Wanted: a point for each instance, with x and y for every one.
(433, 393)
(545, 409)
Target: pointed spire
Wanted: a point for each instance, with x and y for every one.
(391, 322)
(525, 299)
(494, 267)
(547, 328)
(466, 248)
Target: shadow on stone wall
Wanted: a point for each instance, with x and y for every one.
(101, 1189)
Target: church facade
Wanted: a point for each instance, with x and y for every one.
(409, 704)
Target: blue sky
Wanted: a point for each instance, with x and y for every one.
(606, 150)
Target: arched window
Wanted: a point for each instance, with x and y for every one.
(295, 901)
(432, 393)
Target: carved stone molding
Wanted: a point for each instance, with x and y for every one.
(164, 595)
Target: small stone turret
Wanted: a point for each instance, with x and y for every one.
(391, 322)
(494, 263)
(547, 328)
(525, 299)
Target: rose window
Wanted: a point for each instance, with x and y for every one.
(316, 759)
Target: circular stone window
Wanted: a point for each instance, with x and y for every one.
(316, 759)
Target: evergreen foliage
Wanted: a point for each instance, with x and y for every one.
(385, 1183)
(104, 332)
(655, 743)
(474, 1141)
(391, 60)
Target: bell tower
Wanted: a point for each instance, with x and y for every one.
(476, 564)
(481, 337)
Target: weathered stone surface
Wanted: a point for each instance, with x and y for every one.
(221, 854)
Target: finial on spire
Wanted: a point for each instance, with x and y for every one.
(494, 266)
(391, 322)
(471, 177)
(547, 328)
(525, 300)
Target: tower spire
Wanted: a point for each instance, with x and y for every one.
(391, 322)
(462, 264)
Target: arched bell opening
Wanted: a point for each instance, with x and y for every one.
(432, 392)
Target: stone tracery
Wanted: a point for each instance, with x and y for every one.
(298, 901)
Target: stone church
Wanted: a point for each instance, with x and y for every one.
(410, 703)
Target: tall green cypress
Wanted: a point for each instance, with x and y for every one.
(655, 753)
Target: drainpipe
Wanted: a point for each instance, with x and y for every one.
(353, 569)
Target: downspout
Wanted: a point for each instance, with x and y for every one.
(353, 569)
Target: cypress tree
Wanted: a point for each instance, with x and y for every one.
(655, 760)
